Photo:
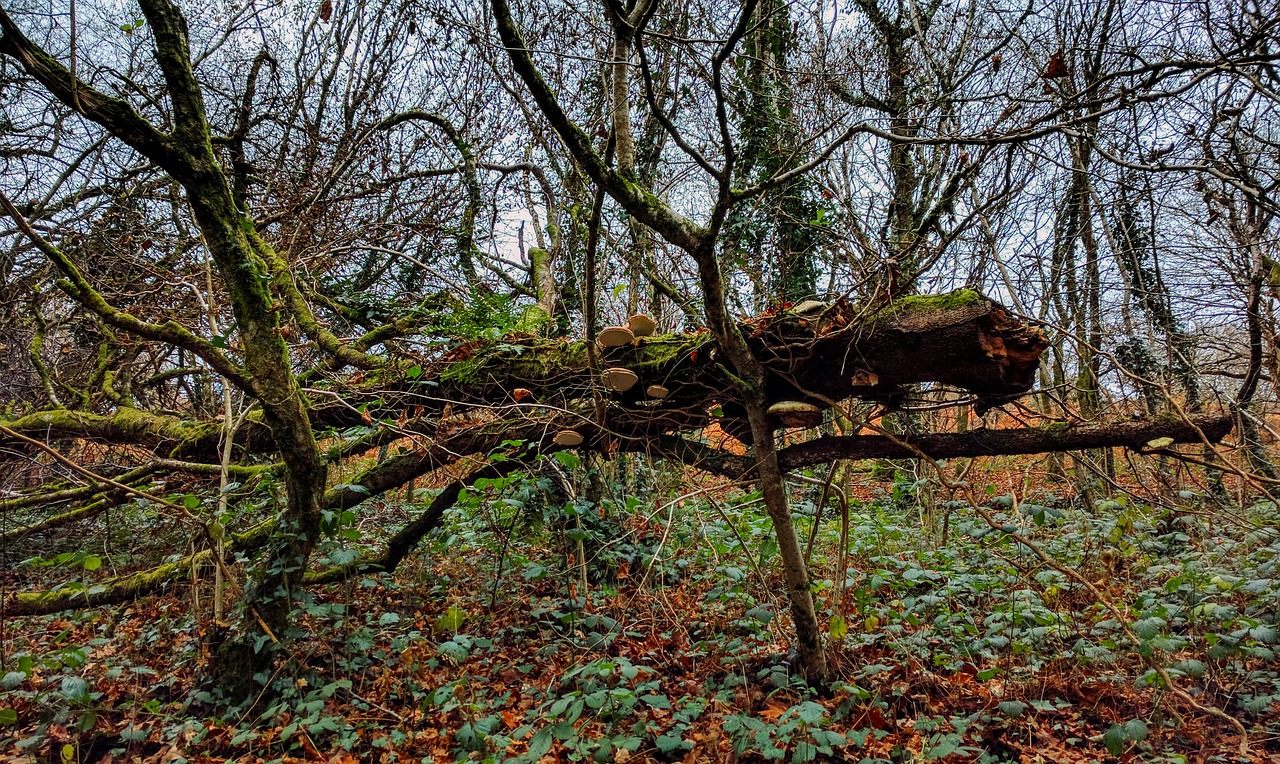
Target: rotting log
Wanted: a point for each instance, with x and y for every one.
(961, 339)
(1133, 434)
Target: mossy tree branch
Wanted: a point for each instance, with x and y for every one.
(77, 287)
(371, 483)
(638, 202)
(188, 156)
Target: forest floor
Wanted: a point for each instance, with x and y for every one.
(654, 630)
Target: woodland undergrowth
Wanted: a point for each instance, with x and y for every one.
(649, 626)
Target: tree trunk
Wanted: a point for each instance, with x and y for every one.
(186, 154)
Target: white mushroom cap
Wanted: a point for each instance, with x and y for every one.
(794, 407)
(568, 438)
(615, 337)
(864, 378)
(808, 306)
(641, 325)
(656, 391)
(796, 414)
(620, 380)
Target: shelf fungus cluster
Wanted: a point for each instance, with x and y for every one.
(637, 326)
(619, 379)
(962, 344)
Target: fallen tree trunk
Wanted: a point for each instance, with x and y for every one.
(827, 352)
(1136, 435)
(818, 354)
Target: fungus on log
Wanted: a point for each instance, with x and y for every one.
(795, 414)
(568, 438)
(657, 391)
(961, 339)
(641, 325)
(615, 337)
(829, 353)
(620, 380)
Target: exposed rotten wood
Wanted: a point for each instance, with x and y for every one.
(962, 339)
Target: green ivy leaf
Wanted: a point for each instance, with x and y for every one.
(1264, 633)
(656, 701)
(450, 620)
(74, 688)
(1114, 739)
(1190, 667)
(1148, 628)
(668, 743)
(811, 713)
(1135, 729)
(569, 459)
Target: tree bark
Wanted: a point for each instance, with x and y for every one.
(186, 153)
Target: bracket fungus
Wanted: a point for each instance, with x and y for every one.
(641, 325)
(795, 414)
(568, 438)
(615, 337)
(864, 378)
(620, 380)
